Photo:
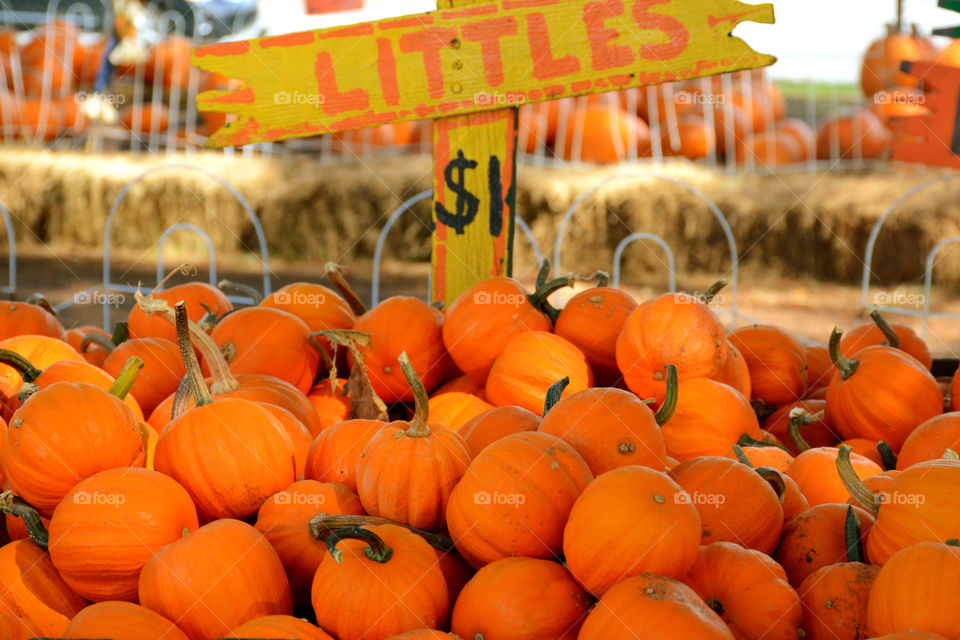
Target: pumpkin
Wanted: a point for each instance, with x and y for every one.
(778, 372)
(376, 582)
(852, 133)
(730, 126)
(515, 497)
(17, 529)
(755, 105)
(23, 318)
(591, 320)
(880, 332)
(611, 428)
(91, 351)
(427, 634)
(814, 471)
(802, 135)
(214, 579)
(109, 525)
(834, 600)
(321, 308)
(169, 63)
(40, 351)
(161, 373)
(709, 419)
(930, 440)
(910, 635)
(520, 598)
(335, 453)
(769, 149)
(869, 449)
(675, 328)
(603, 133)
(48, 59)
(696, 139)
(794, 502)
(31, 588)
(911, 588)
(146, 118)
(770, 456)
(735, 372)
(882, 59)
(122, 621)
(898, 102)
(332, 405)
(463, 384)
(63, 434)
(196, 295)
(748, 590)
(453, 408)
(496, 423)
(482, 319)
(735, 504)
(408, 469)
(14, 628)
(529, 363)
(537, 124)
(279, 626)
(299, 436)
(628, 521)
(819, 370)
(651, 606)
(814, 428)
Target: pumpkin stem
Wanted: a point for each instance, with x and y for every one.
(746, 440)
(953, 542)
(26, 370)
(103, 342)
(243, 289)
(41, 301)
(181, 399)
(846, 367)
(125, 379)
(27, 390)
(197, 383)
(715, 605)
(851, 536)
(602, 278)
(223, 380)
(121, 333)
(438, 304)
(893, 339)
(887, 456)
(554, 393)
(542, 273)
(376, 549)
(322, 525)
(854, 485)
(325, 356)
(353, 300)
(539, 297)
(366, 403)
(775, 479)
(742, 456)
(713, 290)
(799, 417)
(15, 506)
(670, 399)
(418, 426)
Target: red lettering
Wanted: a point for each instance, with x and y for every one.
(387, 70)
(488, 34)
(333, 100)
(605, 56)
(673, 28)
(544, 64)
(429, 42)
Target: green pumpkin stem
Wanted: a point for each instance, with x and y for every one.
(27, 371)
(376, 549)
(602, 278)
(419, 427)
(713, 290)
(554, 393)
(351, 297)
(742, 456)
(323, 525)
(181, 399)
(15, 506)
(775, 479)
(893, 339)
(670, 399)
(128, 375)
(854, 485)
(197, 383)
(746, 440)
(121, 333)
(243, 289)
(846, 367)
(953, 542)
(798, 418)
(101, 341)
(41, 301)
(325, 357)
(542, 274)
(887, 456)
(851, 535)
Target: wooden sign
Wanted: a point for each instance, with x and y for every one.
(934, 137)
(467, 66)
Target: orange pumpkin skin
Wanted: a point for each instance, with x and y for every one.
(881, 63)
(747, 589)
(13, 628)
(321, 308)
(23, 318)
(735, 504)
(407, 591)
(794, 502)
(866, 448)
(636, 513)
(31, 588)
(464, 384)
(852, 129)
(921, 505)
(483, 319)
(16, 530)
(425, 634)
(194, 294)
(776, 361)
(675, 328)
(910, 635)
(161, 373)
(709, 419)
(834, 600)
(520, 598)
(930, 440)
(592, 321)
(815, 473)
(335, 453)
(299, 436)
(652, 606)
(869, 334)
(515, 497)
(331, 405)
(249, 448)
(529, 363)
(453, 408)
(63, 434)
(94, 354)
(816, 434)
(815, 539)
(109, 525)
(819, 368)
(910, 590)
(280, 627)
(77, 371)
(269, 341)
(493, 424)
(735, 372)
(772, 457)
(40, 351)
(399, 324)
(609, 427)
(122, 621)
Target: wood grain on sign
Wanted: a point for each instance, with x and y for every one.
(934, 137)
(450, 61)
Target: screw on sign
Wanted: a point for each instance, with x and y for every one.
(445, 65)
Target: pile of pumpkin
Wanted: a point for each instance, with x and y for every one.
(497, 469)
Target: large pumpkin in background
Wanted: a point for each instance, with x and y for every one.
(881, 63)
(603, 134)
(852, 132)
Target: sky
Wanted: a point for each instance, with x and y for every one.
(812, 39)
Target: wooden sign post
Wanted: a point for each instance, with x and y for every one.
(467, 66)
